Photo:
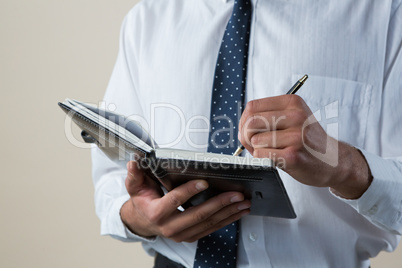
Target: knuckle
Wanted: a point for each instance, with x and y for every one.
(167, 232)
(251, 106)
(292, 155)
(298, 116)
(191, 188)
(254, 121)
(260, 140)
(247, 124)
(255, 140)
(153, 217)
(209, 224)
(296, 136)
(200, 216)
(223, 202)
(174, 199)
(296, 100)
(259, 153)
(243, 119)
(233, 210)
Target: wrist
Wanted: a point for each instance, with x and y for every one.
(354, 175)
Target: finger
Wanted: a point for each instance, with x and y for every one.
(218, 220)
(195, 215)
(273, 120)
(276, 139)
(269, 121)
(285, 159)
(225, 222)
(169, 203)
(258, 123)
(277, 103)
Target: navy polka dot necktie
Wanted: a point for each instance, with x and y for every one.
(219, 249)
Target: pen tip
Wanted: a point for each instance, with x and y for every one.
(303, 79)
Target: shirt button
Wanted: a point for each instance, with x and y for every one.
(252, 237)
(373, 210)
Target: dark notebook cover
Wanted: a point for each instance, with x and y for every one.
(123, 140)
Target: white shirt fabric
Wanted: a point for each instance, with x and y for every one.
(352, 52)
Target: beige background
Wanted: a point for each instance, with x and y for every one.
(50, 50)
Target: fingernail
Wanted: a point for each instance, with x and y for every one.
(201, 186)
(243, 206)
(236, 198)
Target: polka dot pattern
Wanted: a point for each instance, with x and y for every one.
(219, 249)
(230, 80)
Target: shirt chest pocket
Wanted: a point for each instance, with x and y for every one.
(341, 106)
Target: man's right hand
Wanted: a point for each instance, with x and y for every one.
(150, 214)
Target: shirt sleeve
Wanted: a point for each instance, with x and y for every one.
(382, 202)
(122, 97)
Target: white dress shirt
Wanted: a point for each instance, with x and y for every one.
(351, 51)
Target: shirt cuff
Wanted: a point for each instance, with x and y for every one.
(115, 227)
(382, 201)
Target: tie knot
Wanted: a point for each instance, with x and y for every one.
(241, 15)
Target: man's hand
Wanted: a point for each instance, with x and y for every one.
(148, 213)
(283, 127)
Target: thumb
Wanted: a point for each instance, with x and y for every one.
(135, 178)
